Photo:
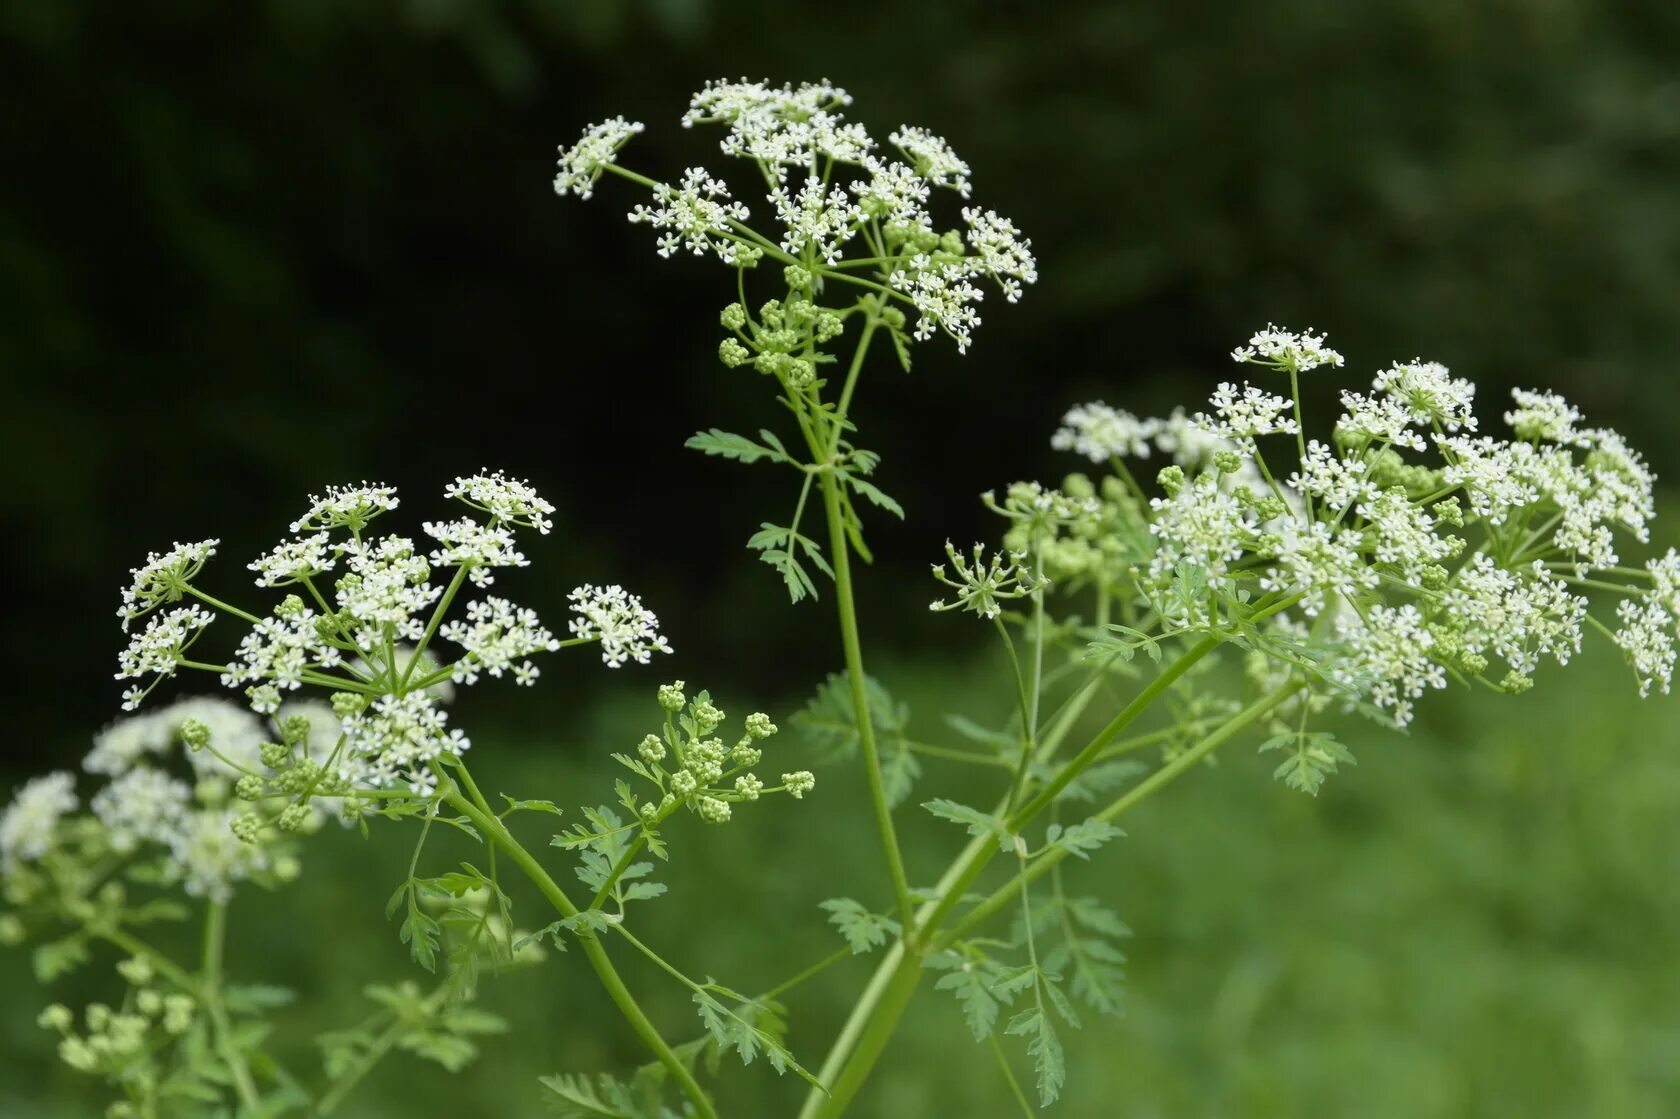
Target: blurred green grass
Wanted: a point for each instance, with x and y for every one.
(1480, 919)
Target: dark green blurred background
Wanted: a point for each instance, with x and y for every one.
(250, 249)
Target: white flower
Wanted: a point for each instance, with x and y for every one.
(349, 507)
(1203, 526)
(392, 741)
(496, 634)
(617, 619)
(1430, 393)
(819, 218)
(1543, 416)
(1240, 417)
(1402, 534)
(943, 297)
(1646, 637)
(163, 579)
(159, 649)
(1520, 616)
(1099, 433)
(1380, 420)
(582, 163)
(144, 805)
(1283, 349)
(387, 584)
(292, 561)
(1000, 251)
(1319, 562)
(1493, 474)
(209, 858)
(476, 547)
(780, 125)
(277, 651)
(932, 158)
(695, 217)
(509, 500)
(894, 194)
(1340, 483)
(1388, 658)
(28, 825)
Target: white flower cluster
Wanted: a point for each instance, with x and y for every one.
(1241, 416)
(364, 638)
(626, 629)
(29, 826)
(1100, 433)
(157, 650)
(169, 777)
(495, 635)
(1286, 350)
(1426, 568)
(980, 585)
(163, 579)
(795, 136)
(694, 216)
(581, 164)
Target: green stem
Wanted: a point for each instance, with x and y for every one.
(1144, 789)
(215, 935)
(817, 968)
(596, 953)
(223, 606)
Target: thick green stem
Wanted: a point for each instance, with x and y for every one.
(596, 953)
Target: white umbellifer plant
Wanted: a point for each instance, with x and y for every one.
(1403, 551)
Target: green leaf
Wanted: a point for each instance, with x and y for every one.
(829, 723)
(726, 444)
(1046, 1050)
(973, 980)
(977, 822)
(577, 1098)
(530, 806)
(862, 929)
(872, 493)
(1082, 838)
(1313, 756)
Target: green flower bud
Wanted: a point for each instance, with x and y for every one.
(1516, 683)
(799, 783)
(1449, 512)
(759, 725)
(294, 729)
(293, 817)
(745, 754)
(137, 970)
(712, 810)
(734, 317)
(56, 1017)
(247, 828)
(248, 788)
(1271, 507)
(1227, 462)
(797, 277)
(275, 756)
(1171, 479)
(290, 607)
(683, 783)
(346, 704)
(749, 786)
(733, 354)
(706, 717)
(651, 749)
(1434, 577)
(12, 932)
(287, 868)
(150, 1003)
(671, 697)
(195, 734)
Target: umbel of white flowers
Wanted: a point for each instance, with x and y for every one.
(366, 616)
(846, 209)
(1403, 552)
